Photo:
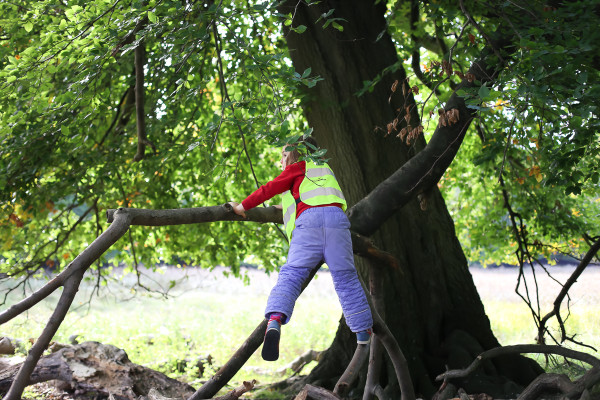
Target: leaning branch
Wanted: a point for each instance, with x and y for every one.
(60, 311)
(241, 356)
(81, 262)
(427, 167)
(70, 278)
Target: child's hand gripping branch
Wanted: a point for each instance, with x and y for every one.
(238, 208)
(319, 230)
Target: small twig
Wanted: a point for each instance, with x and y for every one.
(510, 132)
(481, 31)
(416, 54)
(226, 97)
(565, 290)
(142, 138)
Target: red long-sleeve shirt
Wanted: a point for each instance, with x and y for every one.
(290, 178)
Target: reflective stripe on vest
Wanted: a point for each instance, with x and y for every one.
(318, 187)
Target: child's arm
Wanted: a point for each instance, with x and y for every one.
(280, 184)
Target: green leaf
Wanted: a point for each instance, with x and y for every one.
(300, 29)
(484, 92)
(152, 17)
(28, 26)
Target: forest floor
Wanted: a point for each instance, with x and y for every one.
(204, 294)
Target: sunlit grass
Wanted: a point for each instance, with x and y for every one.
(216, 318)
(156, 332)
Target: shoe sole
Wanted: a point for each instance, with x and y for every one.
(270, 350)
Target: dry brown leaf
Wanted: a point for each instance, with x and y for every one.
(390, 126)
(402, 133)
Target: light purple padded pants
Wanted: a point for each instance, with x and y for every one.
(322, 233)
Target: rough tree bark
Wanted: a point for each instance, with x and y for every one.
(430, 302)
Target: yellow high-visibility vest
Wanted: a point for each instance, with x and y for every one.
(318, 187)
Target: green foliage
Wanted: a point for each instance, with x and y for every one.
(536, 127)
(217, 85)
(220, 97)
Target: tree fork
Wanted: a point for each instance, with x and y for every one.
(375, 356)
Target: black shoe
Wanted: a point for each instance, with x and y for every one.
(270, 350)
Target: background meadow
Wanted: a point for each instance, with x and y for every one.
(211, 313)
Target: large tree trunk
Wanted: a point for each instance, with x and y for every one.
(431, 303)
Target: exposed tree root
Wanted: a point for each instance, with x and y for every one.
(311, 392)
(546, 383)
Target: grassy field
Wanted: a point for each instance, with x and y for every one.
(208, 313)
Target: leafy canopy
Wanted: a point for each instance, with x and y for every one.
(221, 95)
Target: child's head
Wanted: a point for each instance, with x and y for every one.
(291, 157)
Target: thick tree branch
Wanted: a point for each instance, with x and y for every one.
(383, 333)
(181, 216)
(235, 363)
(374, 371)
(426, 168)
(362, 246)
(361, 354)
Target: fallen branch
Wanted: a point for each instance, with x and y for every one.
(297, 364)
(519, 349)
